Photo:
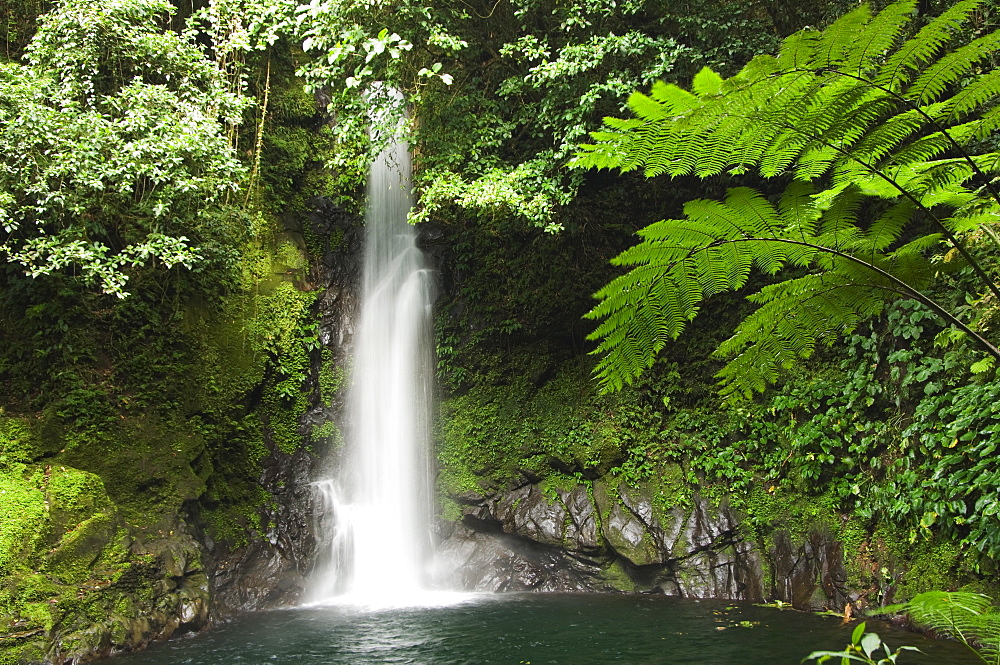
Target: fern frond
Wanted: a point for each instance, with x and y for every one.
(672, 97)
(756, 214)
(649, 109)
(970, 221)
(825, 104)
(920, 49)
(784, 150)
(869, 109)
(989, 123)
(934, 80)
(922, 150)
(842, 213)
(983, 90)
(888, 134)
(706, 82)
(968, 617)
(887, 228)
(795, 316)
(798, 50)
(910, 261)
(883, 122)
(838, 40)
(879, 36)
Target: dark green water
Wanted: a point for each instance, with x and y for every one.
(530, 628)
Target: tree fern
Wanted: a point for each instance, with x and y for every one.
(970, 618)
(877, 122)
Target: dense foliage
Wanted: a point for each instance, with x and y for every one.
(138, 136)
(114, 144)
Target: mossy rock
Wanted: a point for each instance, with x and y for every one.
(621, 529)
(73, 559)
(616, 576)
(74, 497)
(20, 647)
(19, 444)
(146, 465)
(290, 254)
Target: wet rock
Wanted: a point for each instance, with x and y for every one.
(581, 532)
(502, 562)
(809, 573)
(270, 571)
(529, 513)
(600, 537)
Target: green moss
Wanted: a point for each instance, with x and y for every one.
(777, 507)
(616, 576)
(856, 540)
(931, 566)
(332, 378)
(15, 650)
(22, 517)
(289, 257)
(147, 465)
(669, 488)
(74, 496)
(327, 431)
(18, 444)
(449, 509)
(554, 483)
(502, 429)
(78, 550)
(64, 553)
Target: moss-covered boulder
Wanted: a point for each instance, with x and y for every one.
(76, 581)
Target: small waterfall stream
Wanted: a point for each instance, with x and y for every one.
(378, 507)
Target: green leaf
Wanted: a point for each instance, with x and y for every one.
(869, 643)
(706, 82)
(983, 365)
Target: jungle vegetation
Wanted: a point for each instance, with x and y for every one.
(159, 317)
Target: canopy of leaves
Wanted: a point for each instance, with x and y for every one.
(883, 135)
(503, 92)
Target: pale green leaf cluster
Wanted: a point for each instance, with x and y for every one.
(501, 93)
(523, 191)
(353, 58)
(236, 27)
(875, 131)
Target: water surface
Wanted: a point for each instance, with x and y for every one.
(522, 629)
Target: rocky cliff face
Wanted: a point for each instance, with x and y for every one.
(603, 537)
(272, 571)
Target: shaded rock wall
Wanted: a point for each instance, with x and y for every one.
(602, 537)
(270, 571)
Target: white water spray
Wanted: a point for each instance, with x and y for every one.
(379, 508)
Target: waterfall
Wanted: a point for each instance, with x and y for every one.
(377, 510)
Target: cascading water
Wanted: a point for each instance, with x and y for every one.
(378, 509)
